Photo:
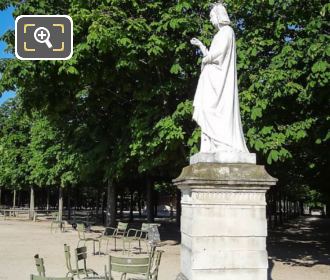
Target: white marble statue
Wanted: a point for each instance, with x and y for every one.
(216, 104)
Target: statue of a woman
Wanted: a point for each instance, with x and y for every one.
(216, 104)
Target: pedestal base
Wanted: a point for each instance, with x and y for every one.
(223, 157)
(223, 221)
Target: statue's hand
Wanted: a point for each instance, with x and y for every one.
(196, 42)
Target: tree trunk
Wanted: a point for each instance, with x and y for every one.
(155, 203)
(69, 203)
(103, 207)
(328, 209)
(131, 206)
(178, 207)
(14, 199)
(285, 209)
(280, 208)
(121, 205)
(47, 200)
(139, 205)
(150, 202)
(171, 205)
(111, 205)
(60, 204)
(31, 203)
(97, 206)
(19, 194)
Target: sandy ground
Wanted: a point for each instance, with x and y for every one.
(298, 251)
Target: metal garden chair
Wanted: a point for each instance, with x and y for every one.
(41, 271)
(137, 235)
(56, 222)
(72, 271)
(40, 265)
(81, 257)
(114, 233)
(81, 229)
(133, 268)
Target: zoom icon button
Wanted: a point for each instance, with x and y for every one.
(43, 37)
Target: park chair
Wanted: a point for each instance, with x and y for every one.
(81, 256)
(56, 222)
(133, 268)
(81, 229)
(40, 265)
(114, 233)
(138, 235)
(72, 271)
(37, 277)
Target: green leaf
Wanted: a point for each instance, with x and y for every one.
(256, 113)
(72, 70)
(320, 66)
(176, 68)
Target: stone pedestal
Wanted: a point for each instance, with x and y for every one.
(223, 221)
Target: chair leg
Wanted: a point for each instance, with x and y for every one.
(124, 246)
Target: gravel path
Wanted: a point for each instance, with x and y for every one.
(298, 251)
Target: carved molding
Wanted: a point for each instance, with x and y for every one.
(211, 197)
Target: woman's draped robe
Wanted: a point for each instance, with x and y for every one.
(216, 104)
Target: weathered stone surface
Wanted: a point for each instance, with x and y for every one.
(208, 175)
(224, 157)
(223, 222)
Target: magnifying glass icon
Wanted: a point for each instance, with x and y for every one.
(41, 35)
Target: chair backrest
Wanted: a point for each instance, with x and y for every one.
(67, 255)
(37, 277)
(146, 226)
(81, 256)
(130, 265)
(55, 216)
(122, 226)
(40, 265)
(81, 231)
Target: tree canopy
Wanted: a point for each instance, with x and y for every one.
(123, 102)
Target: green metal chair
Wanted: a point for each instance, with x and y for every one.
(37, 277)
(81, 229)
(81, 256)
(41, 271)
(72, 271)
(156, 257)
(56, 222)
(133, 268)
(40, 265)
(137, 235)
(114, 233)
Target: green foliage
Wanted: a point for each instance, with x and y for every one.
(52, 162)
(14, 150)
(123, 102)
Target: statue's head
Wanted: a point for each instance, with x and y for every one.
(219, 15)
